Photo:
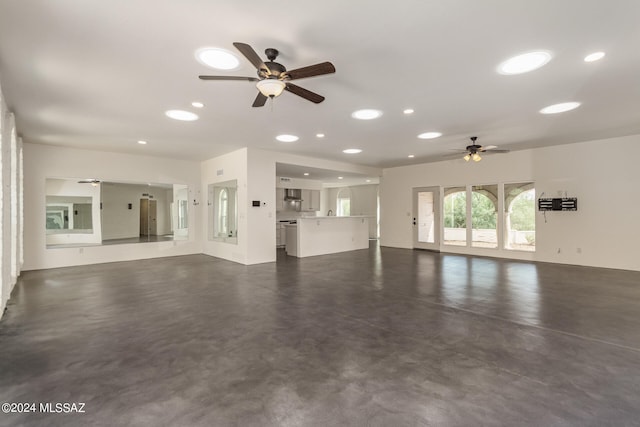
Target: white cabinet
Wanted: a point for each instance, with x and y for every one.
(310, 200)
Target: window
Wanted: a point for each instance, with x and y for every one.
(484, 216)
(474, 212)
(223, 209)
(344, 202)
(519, 217)
(455, 216)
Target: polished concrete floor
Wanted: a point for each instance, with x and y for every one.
(379, 337)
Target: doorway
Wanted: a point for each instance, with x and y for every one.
(148, 222)
(426, 218)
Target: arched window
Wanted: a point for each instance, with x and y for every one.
(520, 217)
(343, 205)
(223, 209)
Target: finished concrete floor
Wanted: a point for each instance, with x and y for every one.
(379, 337)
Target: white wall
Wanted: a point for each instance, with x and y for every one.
(602, 174)
(42, 161)
(220, 169)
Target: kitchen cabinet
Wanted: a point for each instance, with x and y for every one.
(310, 200)
(279, 199)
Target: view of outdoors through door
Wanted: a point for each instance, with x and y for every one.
(519, 216)
(455, 216)
(473, 211)
(425, 218)
(484, 216)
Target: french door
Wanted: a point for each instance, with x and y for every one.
(426, 218)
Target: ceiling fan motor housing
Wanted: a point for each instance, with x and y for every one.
(276, 70)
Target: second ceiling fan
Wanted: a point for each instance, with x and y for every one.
(273, 78)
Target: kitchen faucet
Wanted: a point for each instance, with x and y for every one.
(330, 213)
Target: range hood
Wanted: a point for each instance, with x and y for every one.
(293, 194)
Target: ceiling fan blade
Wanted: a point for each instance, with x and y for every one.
(252, 56)
(249, 79)
(304, 93)
(492, 149)
(260, 100)
(311, 71)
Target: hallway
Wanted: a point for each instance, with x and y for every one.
(373, 337)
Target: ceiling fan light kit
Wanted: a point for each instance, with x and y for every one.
(271, 87)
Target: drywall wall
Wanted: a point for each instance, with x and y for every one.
(601, 174)
(43, 161)
(231, 166)
(261, 220)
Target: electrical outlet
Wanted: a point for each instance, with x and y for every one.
(559, 250)
(578, 250)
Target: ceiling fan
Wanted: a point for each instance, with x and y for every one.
(273, 78)
(473, 151)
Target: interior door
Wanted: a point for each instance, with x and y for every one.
(426, 218)
(144, 217)
(153, 216)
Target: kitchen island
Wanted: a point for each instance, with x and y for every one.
(321, 235)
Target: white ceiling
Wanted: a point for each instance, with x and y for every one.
(99, 74)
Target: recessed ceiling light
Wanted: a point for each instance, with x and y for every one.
(524, 63)
(411, 156)
(306, 174)
(141, 142)
(408, 111)
(594, 56)
(197, 104)
(560, 108)
(352, 151)
(339, 177)
(319, 135)
(368, 180)
(217, 58)
(366, 114)
(287, 138)
(186, 116)
(429, 135)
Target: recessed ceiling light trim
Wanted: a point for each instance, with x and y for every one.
(185, 116)
(408, 111)
(320, 135)
(560, 108)
(430, 135)
(366, 114)
(287, 138)
(352, 151)
(197, 104)
(141, 142)
(217, 58)
(524, 63)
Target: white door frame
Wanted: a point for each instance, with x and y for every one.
(435, 246)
